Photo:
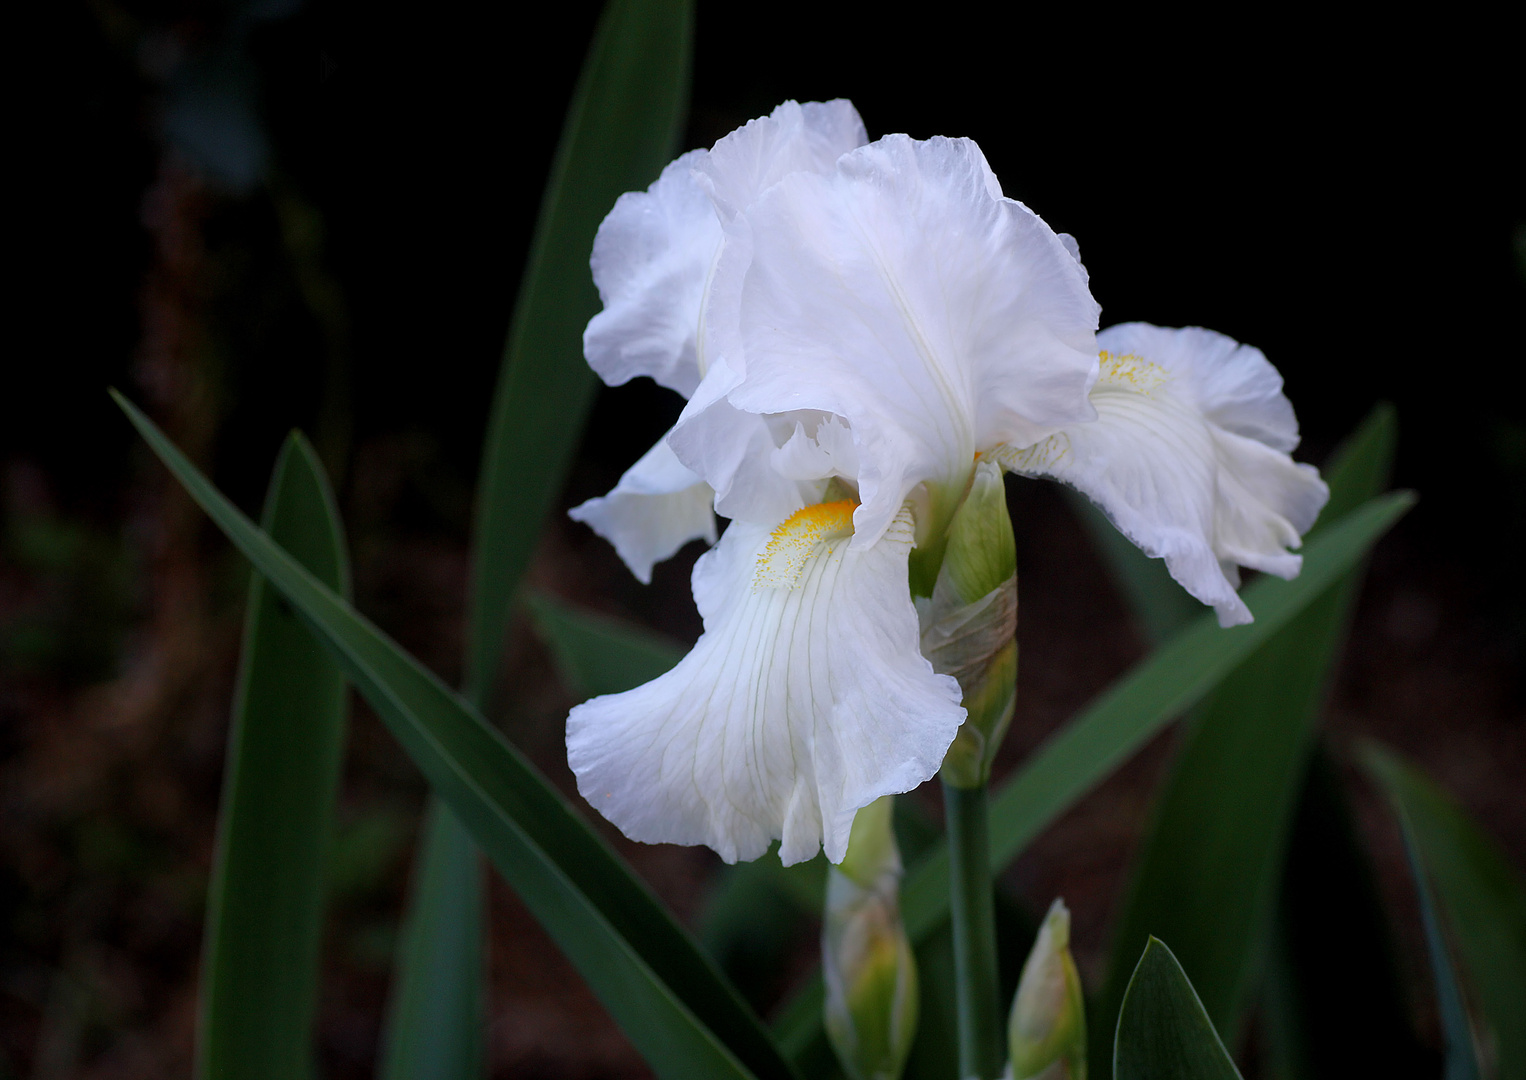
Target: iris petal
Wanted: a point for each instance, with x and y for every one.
(657, 507)
(903, 293)
(1189, 458)
(799, 704)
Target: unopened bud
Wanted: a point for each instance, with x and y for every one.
(969, 625)
(1046, 1033)
(866, 958)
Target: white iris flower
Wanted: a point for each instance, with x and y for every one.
(856, 325)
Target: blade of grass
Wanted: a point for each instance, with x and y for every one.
(1483, 901)
(1159, 689)
(259, 985)
(622, 126)
(669, 999)
(1208, 868)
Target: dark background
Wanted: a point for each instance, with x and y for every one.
(256, 216)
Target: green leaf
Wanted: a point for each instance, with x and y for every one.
(436, 1014)
(1207, 872)
(265, 908)
(1160, 688)
(622, 127)
(1164, 1032)
(752, 920)
(669, 999)
(1361, 465)
(1461, 1060)
(596, 654)
(1334, 1005)
(1483, 900)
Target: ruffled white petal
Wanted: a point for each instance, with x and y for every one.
(651, 258)
(805, 699)
(792, 138)
(740, 446)
(657, 507)
(1233, 385)
(654, 252)
(1188, 457)
(903, 294)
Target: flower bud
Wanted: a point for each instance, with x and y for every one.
(1046, 1033)
(969, 625)
(866, 958)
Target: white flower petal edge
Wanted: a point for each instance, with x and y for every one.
(792, 138)
(905, 295)
(654, 252)
(806, 698)
(651, 259)
(657, 507)
(1189, 458)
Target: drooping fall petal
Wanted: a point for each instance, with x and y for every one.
(805, 698)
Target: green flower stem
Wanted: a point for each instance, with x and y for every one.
(974, 916)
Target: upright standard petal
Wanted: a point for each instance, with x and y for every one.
(792, 138)
(657, 507)
(1189, 458)
(805, 699)
(651, 259)
(653, 262)
(905, 295)
(654, 252)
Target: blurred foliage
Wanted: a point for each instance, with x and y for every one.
(79, 596)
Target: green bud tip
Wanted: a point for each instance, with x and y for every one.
(867, 962)
(1046, 1033)
(981, 552)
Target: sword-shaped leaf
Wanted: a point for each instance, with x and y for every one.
(1482, 903)
(1163, 1030)
(622, 126)
(670, 1000)
(259, 985)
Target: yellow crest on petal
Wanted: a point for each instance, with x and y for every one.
(797, 538)
(1129, 372)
